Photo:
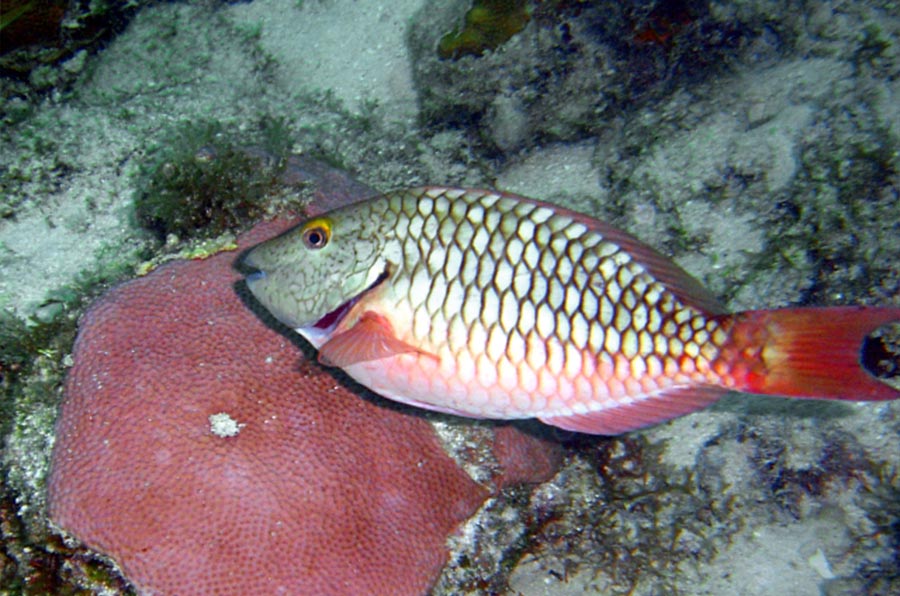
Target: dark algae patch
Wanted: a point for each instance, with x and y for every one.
(202, 178)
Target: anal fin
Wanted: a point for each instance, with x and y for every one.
(614, 420)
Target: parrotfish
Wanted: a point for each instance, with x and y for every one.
(490, 305)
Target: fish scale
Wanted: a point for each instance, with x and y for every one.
(492, 305)
(553, 347)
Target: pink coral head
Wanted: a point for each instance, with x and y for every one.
(199, 450)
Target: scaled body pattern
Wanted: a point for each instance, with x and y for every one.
(491, 305)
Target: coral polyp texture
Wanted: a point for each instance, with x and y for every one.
(200, 450)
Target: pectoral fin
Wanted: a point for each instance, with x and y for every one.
(371, 338)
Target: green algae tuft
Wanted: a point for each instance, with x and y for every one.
(488, 25)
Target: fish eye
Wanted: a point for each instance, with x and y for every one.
(316, 234)
(315, 238)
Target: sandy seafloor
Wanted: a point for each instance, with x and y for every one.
(761, 151)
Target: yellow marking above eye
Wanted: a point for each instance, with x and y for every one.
(316, 232)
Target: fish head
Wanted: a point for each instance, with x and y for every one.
(313, 274)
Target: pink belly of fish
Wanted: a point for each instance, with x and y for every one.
(551, 379)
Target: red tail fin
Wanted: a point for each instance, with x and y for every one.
(806, 352)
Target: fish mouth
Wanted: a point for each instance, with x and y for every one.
(255, 275)
(332, 319)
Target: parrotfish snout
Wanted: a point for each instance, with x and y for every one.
(257, 282)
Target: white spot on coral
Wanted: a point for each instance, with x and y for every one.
(223, 425)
